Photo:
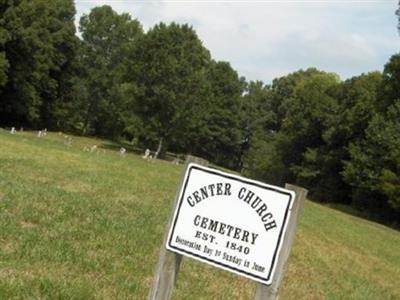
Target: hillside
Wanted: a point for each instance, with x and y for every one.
(88, 225)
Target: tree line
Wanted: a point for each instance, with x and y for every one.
(161, 89)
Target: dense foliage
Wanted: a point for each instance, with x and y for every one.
(37, 47)
(162, 90)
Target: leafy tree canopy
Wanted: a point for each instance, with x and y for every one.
(37, 40)
(107, 56)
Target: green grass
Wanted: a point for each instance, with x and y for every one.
(80, 225)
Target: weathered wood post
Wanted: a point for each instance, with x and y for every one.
(270, 292)
(167, 268)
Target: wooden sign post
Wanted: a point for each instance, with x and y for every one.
(231, 222)
(270, 292)
(168, 262)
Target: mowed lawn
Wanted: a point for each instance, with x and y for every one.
(81, 225)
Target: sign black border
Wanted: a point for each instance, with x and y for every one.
(241, 179)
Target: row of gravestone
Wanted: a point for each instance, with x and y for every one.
(122, 151)
(40, 133)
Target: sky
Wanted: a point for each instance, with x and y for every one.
(266, 39)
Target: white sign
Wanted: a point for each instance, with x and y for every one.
(230, 222)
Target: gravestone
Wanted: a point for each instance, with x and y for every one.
(146, 154)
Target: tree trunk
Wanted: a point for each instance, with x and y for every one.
(160, 144)
(86, 122)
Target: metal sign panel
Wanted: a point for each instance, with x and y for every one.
(230, 222)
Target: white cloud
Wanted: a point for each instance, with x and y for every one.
(265, 39)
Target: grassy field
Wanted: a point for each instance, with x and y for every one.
(80, 225)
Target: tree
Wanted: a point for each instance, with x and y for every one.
(37, 40)
(264, 160)
(389, 92)
(302, 109)
(215, 132)
(357, 104)
(374, 169)
(108, 42)
(4, 64)
(257, 122)
(283, 89)
(69, 111)
(257, 111)
(308, 113)
(171, 71)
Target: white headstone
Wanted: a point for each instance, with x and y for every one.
(146, 154)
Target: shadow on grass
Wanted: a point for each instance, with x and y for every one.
(347, 209)
(116, 146)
